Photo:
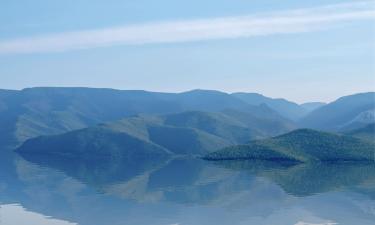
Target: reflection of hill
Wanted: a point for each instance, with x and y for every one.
(178, 180)
(308, 179)
(216, 193)
(98, 172)
(198, 181)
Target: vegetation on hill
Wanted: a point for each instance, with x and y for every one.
(303, 145)
(366, 133)
(94, 143)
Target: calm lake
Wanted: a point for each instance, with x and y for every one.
(36, 190)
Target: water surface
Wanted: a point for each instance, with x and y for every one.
(36, 190)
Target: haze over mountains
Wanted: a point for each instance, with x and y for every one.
(288, 109)
(43, 111)
(346, 113)
(115, 122)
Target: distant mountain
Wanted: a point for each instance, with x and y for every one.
(361, 120)
(288, 109)
(33, 112)
(208, 100)
(268, 125)
(301, 145)
(346, 113)
(187, 133)
(367, 132)
(311, 106)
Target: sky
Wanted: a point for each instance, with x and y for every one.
(299, 50)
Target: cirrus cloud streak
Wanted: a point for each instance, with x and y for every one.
(282, 22)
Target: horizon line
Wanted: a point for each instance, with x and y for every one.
(189, 90)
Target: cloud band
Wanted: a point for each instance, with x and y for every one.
(284, 22)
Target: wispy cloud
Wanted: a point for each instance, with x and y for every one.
(282, 22)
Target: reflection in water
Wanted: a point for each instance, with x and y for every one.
(189, 191)
(307, 179)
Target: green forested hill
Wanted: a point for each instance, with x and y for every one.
(94, 143)
(301, 145)
(366, 133)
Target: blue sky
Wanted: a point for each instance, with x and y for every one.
(299, 50)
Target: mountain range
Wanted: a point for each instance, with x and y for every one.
(286, 108)
(186, 133)
(346, 113)
(33, 112)
(90, 122)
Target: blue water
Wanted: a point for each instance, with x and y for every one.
(185, 191)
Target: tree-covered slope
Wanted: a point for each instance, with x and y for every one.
(303, 145)
(367, 132)
(95, 143)
(347, 112)
(229, 128)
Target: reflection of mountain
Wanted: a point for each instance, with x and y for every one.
(308, 179)
(98, 172)
(178, 180)
(185, 191)
(194, 180)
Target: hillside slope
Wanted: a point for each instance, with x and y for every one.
(94, 143)
(301, 145)
(187, 133)
(346, 113)
(366, 133)
(286, 108)
(311, 106)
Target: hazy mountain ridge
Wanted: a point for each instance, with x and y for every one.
(286, 108)
(342, 114)
(187, 133)
(33, 112)
(311, 106)
(190, 123)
